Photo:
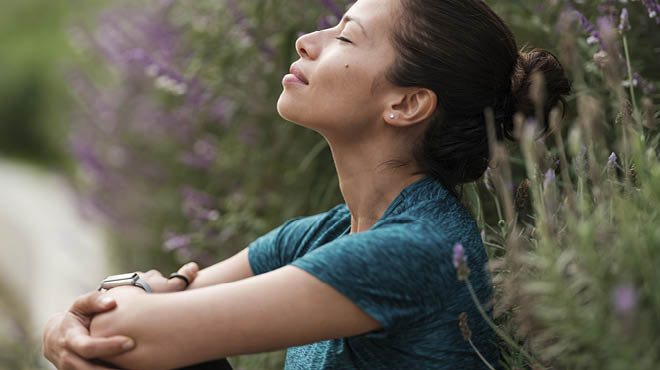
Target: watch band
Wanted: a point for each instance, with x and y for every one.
(142, 284)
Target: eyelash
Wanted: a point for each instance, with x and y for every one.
(344, 39)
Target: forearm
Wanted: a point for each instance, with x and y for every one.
(283, 308)
(173, 330)
(155, 324)
(132, 318)
(232, 269)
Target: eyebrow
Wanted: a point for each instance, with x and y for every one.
(348, 18)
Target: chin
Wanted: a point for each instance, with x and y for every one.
(288, 111)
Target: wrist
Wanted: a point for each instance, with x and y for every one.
(127, 289)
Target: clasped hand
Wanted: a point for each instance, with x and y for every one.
(66, 340)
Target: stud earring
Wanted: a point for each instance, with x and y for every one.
(392, 116)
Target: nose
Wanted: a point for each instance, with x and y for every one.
(306, 45)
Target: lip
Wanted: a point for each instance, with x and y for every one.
(295, 71)
(293, 79)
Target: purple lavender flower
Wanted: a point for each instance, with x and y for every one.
(605, 25)
(219, 110)
(624, 298)
(459, 254)
(176, 242)
(242, 20)
(624, 25)
(460, 261)
(198, 205)
(336, 10)
(589, 28)
(607, 8)
(653, 8)
(611, 161)
(549, 178)
(327, 21)
(550, 175)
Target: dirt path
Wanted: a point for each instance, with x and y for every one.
(48, 254)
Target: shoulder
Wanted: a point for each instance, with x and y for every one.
(292, 239)
(430, 229)
(305, 225)
(334, 213)
(444, 221)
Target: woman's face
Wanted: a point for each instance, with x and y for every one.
(341, 65)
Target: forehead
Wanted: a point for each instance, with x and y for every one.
(374, 15)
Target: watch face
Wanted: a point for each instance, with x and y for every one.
(129, 276)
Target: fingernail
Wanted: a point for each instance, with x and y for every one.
(129, 344)
(105, 301)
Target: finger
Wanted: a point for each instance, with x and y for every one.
(72, 362)
(188, 270)
(92, 303)
(152, 274)
(90, 347)
(177, 283)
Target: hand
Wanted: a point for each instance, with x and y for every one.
(66, 340)
(161, 284)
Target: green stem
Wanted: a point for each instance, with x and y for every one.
(480, 356)
(499, 209)
(630, 78)
(494, 245)
(497, 330)
(480, 217)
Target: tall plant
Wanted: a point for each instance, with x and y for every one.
(574, 247)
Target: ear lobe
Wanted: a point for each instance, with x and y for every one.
(415, 106)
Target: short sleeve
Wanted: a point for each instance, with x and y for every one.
(281, 245)
(262, 253)
(395, 273)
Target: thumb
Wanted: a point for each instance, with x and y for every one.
(92, 303)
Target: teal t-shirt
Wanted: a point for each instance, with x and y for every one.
(400, 272)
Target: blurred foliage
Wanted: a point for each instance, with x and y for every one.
(19, 349)
(33, 96)
(178, 132)
(34, 112)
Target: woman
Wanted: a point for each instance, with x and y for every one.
(398, 89)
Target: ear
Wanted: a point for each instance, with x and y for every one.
(410, 106)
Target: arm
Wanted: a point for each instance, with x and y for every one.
(282, 308)
(231, 269)
(66, 341)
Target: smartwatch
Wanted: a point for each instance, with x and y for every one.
(125, 279)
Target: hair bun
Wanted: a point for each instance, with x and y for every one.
(524, 92)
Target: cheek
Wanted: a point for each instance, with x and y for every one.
(339, 93)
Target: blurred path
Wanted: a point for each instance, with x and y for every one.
(48, 254)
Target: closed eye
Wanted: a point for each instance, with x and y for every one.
(344, 39)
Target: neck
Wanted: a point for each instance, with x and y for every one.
(367, 183)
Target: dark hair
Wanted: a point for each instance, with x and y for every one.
(465, 54)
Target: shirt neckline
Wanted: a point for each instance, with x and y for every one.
(410, 194)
